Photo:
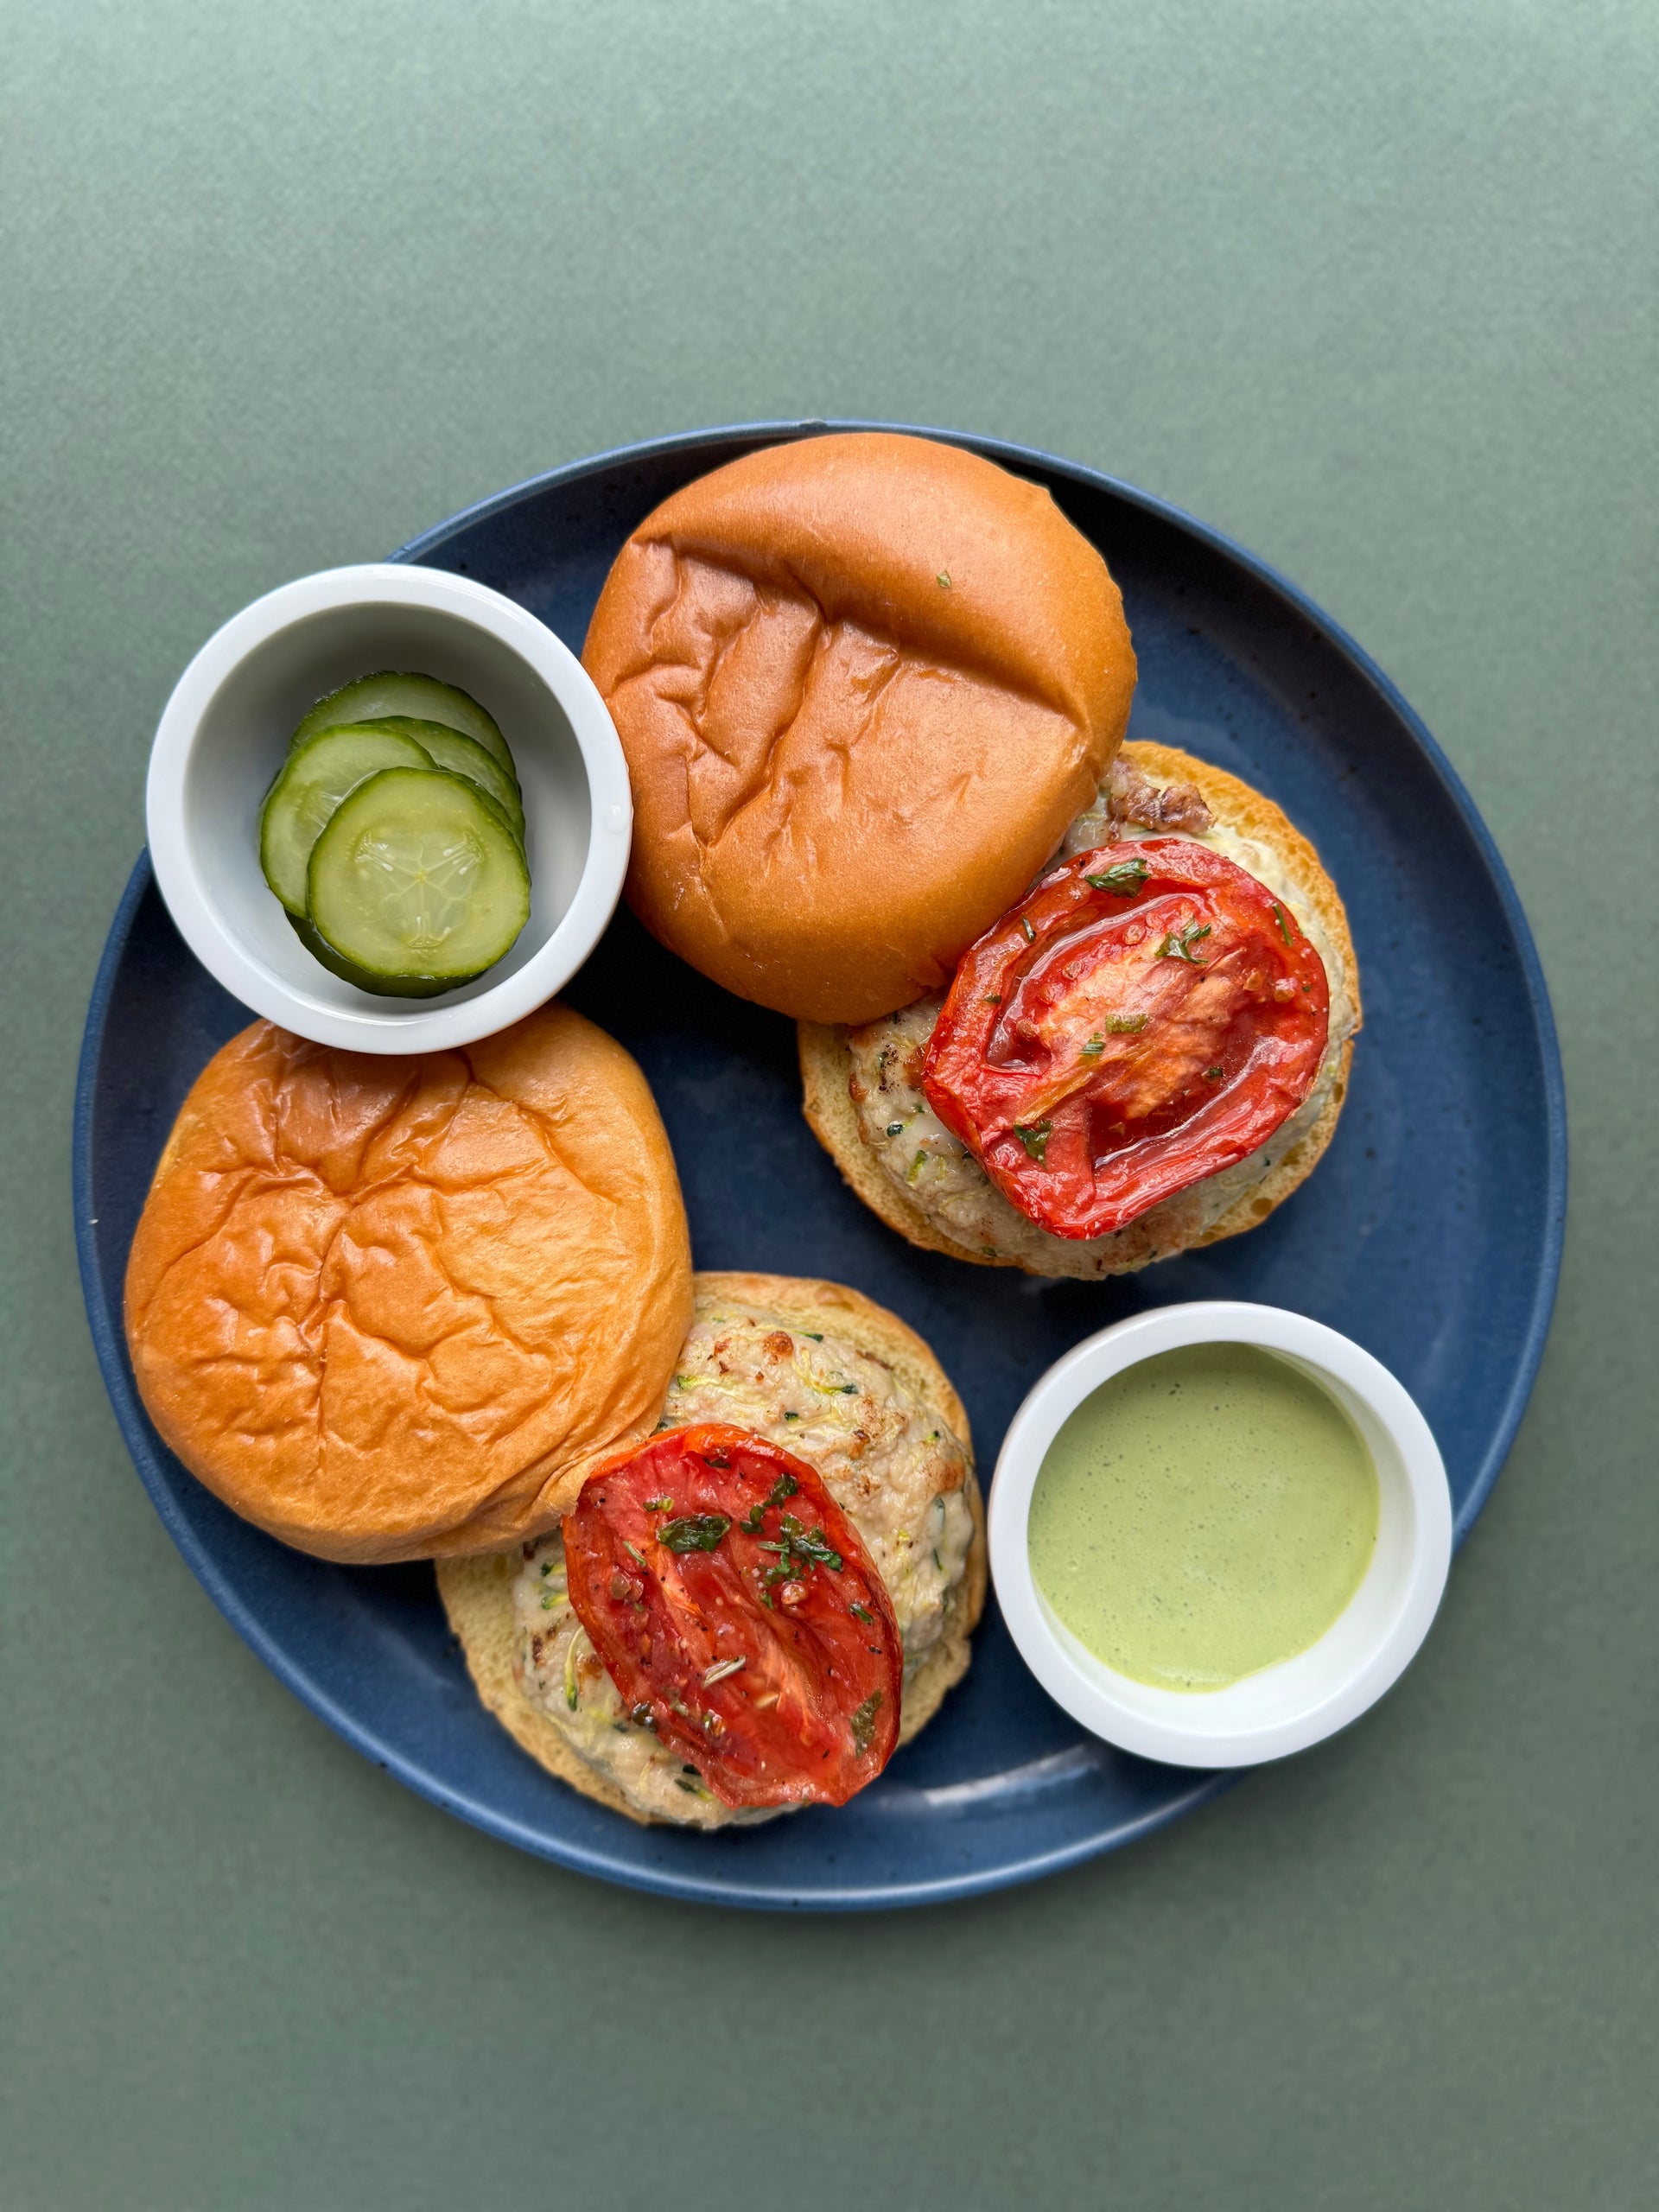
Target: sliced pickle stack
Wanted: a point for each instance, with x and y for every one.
(394, 836)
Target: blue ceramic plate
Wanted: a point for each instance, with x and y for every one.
(1431, 1232)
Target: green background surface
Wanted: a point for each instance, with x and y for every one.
(1370, 288)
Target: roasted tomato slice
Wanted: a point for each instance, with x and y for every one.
(1146, 1016)
(730, 1597)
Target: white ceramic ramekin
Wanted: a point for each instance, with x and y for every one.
(222, 738)
(1284, 1708)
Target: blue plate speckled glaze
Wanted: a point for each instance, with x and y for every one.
(1431, 1232)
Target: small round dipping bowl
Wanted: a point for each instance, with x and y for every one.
(1284, 1708)
(224, 734)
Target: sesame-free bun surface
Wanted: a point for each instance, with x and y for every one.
(478, 1593)
(863, 682)
(387, 1309)
(1166, 1230)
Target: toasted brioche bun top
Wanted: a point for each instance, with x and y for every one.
(391, 1308)
(863, 683)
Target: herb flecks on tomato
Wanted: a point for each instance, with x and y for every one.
(1145, 1017)
(753, 1628)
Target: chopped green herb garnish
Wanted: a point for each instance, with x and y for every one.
(659, 1505)
(945, 580)
(785, 1486)
(1035, 1140)
(914, 1170)
(993, 998)
(639, 1558)
(862, 1613)
(1094, 1048)
(1126, 1025)
(791, 1416)
(817, 1335)
(690, 1788)
(1279, 917)
(863, 1721)
(1214, 1075)
(1180, 947)
(798, 1551)
(696, 1532)
(1125, 878)
(809, 1544)
(1030, 934)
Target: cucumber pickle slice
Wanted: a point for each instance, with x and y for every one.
(313, 780)
(401, 987)
(463, 756)
(388, 692)
(418, 875)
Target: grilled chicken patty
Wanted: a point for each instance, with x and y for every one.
(940, 1177)
(892, 1467)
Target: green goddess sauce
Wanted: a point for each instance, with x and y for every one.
(1203, 1515)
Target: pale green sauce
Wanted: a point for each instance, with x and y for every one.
(1202, 1515)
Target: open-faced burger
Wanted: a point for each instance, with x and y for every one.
(1147, 1051)
(1068, 1004)
(750, 1611)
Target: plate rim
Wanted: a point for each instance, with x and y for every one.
(708, 1888)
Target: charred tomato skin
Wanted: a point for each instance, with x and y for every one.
(1146, 1016)
(725, 1591)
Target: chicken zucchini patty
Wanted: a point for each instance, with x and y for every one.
(897, 1470)
(935, 1172)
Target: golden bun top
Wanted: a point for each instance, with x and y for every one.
(863, 682)
(393, 1308)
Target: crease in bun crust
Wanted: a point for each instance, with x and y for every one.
(863, 1093)
(830, 1375)
(863, 682)
(391, 1308)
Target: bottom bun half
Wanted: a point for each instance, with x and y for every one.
(477, 1591)
(1165, 1230)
